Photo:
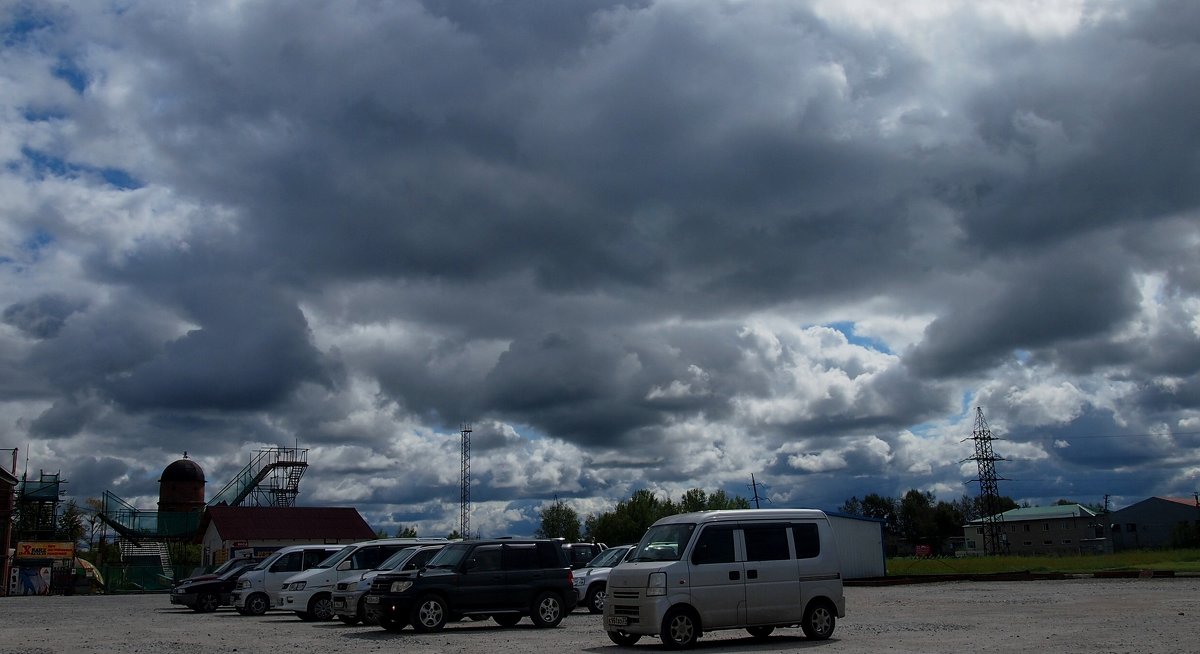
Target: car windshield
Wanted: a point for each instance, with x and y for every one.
(608, 558)
(449, 556)
(337, 557)
(235, 570)
(664, 542)
(266, 563)
(398, 559)
(229, 565)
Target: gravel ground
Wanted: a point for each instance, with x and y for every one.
(1083, 616)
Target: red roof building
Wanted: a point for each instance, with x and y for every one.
(227, 531)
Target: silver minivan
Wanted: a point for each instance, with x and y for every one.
(755, 569)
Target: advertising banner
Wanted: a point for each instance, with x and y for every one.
(45, 550)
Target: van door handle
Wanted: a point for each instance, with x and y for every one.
(752, 574)
(734, 575)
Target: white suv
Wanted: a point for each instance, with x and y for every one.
(250, 596)
(591, 581)
(310, 593)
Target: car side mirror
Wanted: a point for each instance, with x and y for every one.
(344, 565)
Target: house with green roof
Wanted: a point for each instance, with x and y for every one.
(1041, 530)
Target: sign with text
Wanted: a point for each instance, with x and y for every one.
(45, 550)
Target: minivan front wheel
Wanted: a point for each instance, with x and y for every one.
(429, 614)
(257, 604)
(595, 599)
(547, 610)
(680, 629)
(819, 620)
(320, 607)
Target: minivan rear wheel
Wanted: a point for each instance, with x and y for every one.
(819, 620)
(680, 629)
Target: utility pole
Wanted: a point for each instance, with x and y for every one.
(754, 488)
(464, 509)
(989, 492)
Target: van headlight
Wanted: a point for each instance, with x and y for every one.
(243, 583)
(400, 586)
(656, 584)
(297, 585)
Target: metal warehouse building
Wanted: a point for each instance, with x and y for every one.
(860, 545)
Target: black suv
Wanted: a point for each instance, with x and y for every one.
(504, 579)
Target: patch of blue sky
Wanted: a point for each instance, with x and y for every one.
(23, 21)
(847, 330)
(68, 71)
(48, 165)
(42, 115)
(1023, 356)
(530, 432)
(37, 241)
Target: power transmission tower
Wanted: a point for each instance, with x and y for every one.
(989, 493)
(464, 510)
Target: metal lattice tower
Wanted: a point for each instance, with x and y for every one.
(989, 492)
(464, 510)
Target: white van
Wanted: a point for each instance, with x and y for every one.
(250, 596)
(755, 569)
(310, 593)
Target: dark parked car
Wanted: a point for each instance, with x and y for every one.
(205, 595)
(502, 579)
(579, 554)
(222, 569)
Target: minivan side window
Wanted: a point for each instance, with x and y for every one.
(714, 545)
(313, 557)
(288, 562)
(808, 541)
(766, 542)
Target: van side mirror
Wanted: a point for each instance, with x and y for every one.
(344, 565)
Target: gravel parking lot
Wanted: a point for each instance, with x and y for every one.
(1092, 616)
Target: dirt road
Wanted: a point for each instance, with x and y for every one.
(1083, 616)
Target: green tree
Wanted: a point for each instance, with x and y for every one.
(70, 524)
(559, 521)
(631, 518)
(406, 532)
(454, 535)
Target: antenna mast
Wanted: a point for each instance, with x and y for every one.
(464, 510)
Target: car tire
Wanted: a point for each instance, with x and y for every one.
(507, 619)
(819, 620)
(680, 629)
(623, 638)
(305, 616)
(429, 614)
(257, 604)
(547, 610)
(596, 596)
(320, 607)
(207, 603)
(348, 619)
(760, 633)
(392, 624)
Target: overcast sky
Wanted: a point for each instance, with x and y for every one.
(645, 244)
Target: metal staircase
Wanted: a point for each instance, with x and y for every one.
(272, 478)
(137, 525)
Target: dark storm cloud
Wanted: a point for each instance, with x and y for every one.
(1043, 302)
(43, 316)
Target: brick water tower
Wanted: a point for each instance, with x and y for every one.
(181, 487)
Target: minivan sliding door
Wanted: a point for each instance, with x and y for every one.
(772, 590)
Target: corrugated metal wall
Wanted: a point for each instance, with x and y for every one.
(860, 546)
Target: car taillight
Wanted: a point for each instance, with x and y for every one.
(571, 577)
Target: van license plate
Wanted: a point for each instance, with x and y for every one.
(616, 621)
(372, 599)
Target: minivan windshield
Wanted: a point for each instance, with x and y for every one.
(337, 557)
(448, 557)
(266, 563)
(664, 542)
(396, 560)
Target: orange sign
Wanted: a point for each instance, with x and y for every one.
(45, 550)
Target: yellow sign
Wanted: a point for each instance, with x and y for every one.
(45, 550)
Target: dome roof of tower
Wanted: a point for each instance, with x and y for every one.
(184, 469)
